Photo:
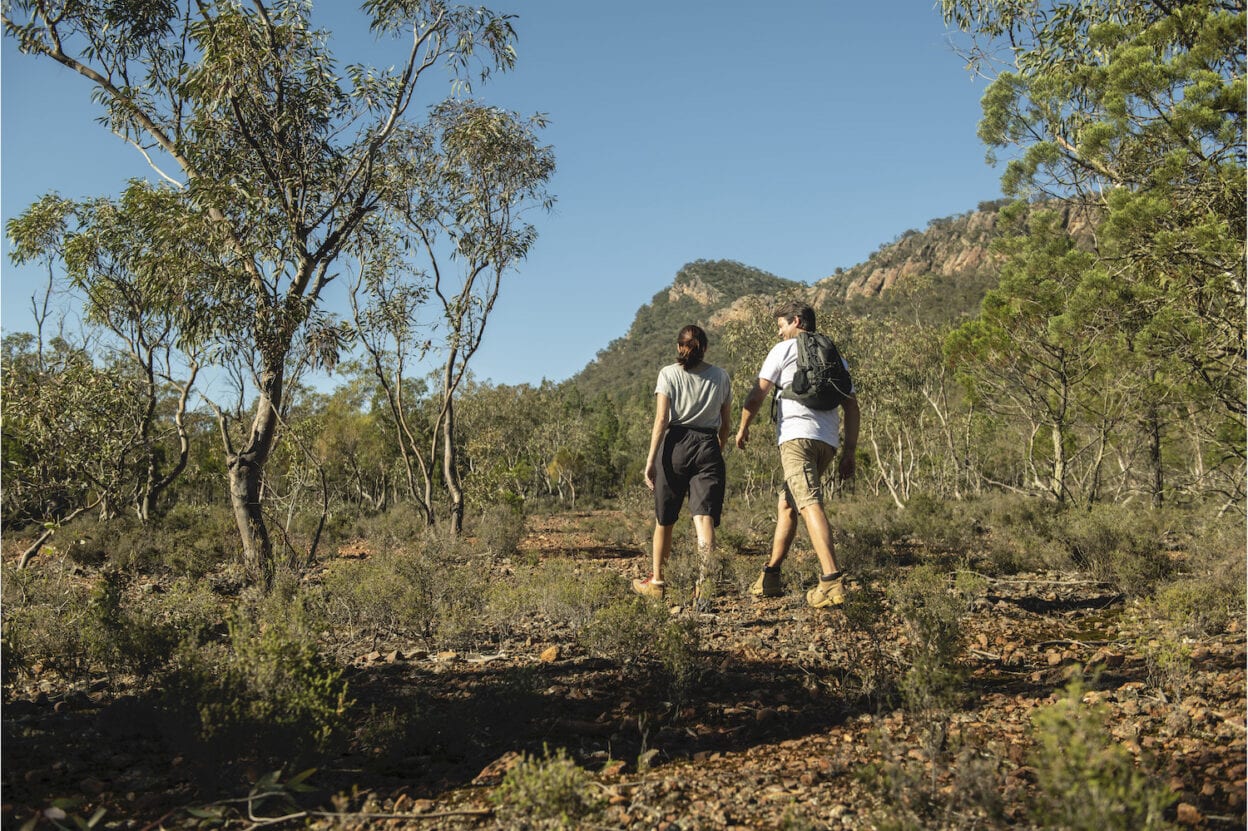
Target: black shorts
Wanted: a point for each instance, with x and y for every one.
(691, 463)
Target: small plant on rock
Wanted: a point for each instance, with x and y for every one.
(550, 791)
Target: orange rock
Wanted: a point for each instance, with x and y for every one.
(1189, 814)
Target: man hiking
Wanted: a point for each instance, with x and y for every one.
(809, 438)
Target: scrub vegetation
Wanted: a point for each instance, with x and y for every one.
(404, 595)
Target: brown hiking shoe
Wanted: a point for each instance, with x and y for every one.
(827, 593)
(649, 588)
(767, 585)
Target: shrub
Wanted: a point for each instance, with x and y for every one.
(1115, 543)
(45, 623)
(633, 631)
(500, 530)
(268, 693)
(436, 592)
(568, 592)
(1199, 607)
(547, 792)
(1087, 781)
(189, 540)
(940, 524)
(932, 615)
(874, 673)
(911, 796)
(692, 570)
(867, 535)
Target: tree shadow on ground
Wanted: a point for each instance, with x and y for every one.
(451, 725)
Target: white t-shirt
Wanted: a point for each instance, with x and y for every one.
(697, 397)
(795, 420)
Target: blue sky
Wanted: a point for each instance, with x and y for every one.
(796, 137)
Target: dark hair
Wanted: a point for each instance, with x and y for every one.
(793, 308)
(690, 346)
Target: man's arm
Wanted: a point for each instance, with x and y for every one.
(851, 418)
(750, 408)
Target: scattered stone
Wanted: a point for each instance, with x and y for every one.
(493, 773)
(1189, 814)
(549, 655)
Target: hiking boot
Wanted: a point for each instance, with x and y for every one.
(827, 593)
(767, 585)
(649, 588)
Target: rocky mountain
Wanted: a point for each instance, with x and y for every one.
(945, 268)
(704, 292)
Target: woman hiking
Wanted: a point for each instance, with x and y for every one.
(691, 412)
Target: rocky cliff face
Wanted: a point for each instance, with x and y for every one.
(954, 248)
(950, 247)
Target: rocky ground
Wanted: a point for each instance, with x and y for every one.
(784, 725)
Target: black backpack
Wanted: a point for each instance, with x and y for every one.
(821, 381)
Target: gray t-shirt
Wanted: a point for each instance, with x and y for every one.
(696, 397)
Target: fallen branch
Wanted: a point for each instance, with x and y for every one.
(260, 822)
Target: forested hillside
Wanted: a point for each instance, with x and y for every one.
(938, 274)
(700, 292)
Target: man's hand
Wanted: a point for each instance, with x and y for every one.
(743, 435)
(848, 463)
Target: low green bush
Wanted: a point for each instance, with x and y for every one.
(634, 632)
(499, 530)
(569, 592)
(1120, 544)
(1086, 781)
(550, 791)
(46, 623)
(188, 540)
(267, 693)
(932, 613)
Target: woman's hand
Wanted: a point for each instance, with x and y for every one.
(651, 470)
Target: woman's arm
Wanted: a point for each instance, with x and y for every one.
(661, 406)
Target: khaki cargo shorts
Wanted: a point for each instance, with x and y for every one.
(804, 462)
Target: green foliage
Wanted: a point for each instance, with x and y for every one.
(1138, 110)
(189, 541)
(269, 692)
(868, 532)
(567, 592)
(62, 624)
(45, 623)
(70, 426)
(550, 791)
(932, 615)
(910, 797)
(500, 529)
(434, 590)
(635, 632)
(1087, 781)
(1115, 543)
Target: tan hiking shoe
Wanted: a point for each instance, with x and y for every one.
(827, 593)
(767, 585)
(649, 588)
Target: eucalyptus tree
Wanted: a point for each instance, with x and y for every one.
(266, 152)
(1043, 344)
(490, 171)
(70, 429)
(102, 245)
(1138, 109)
